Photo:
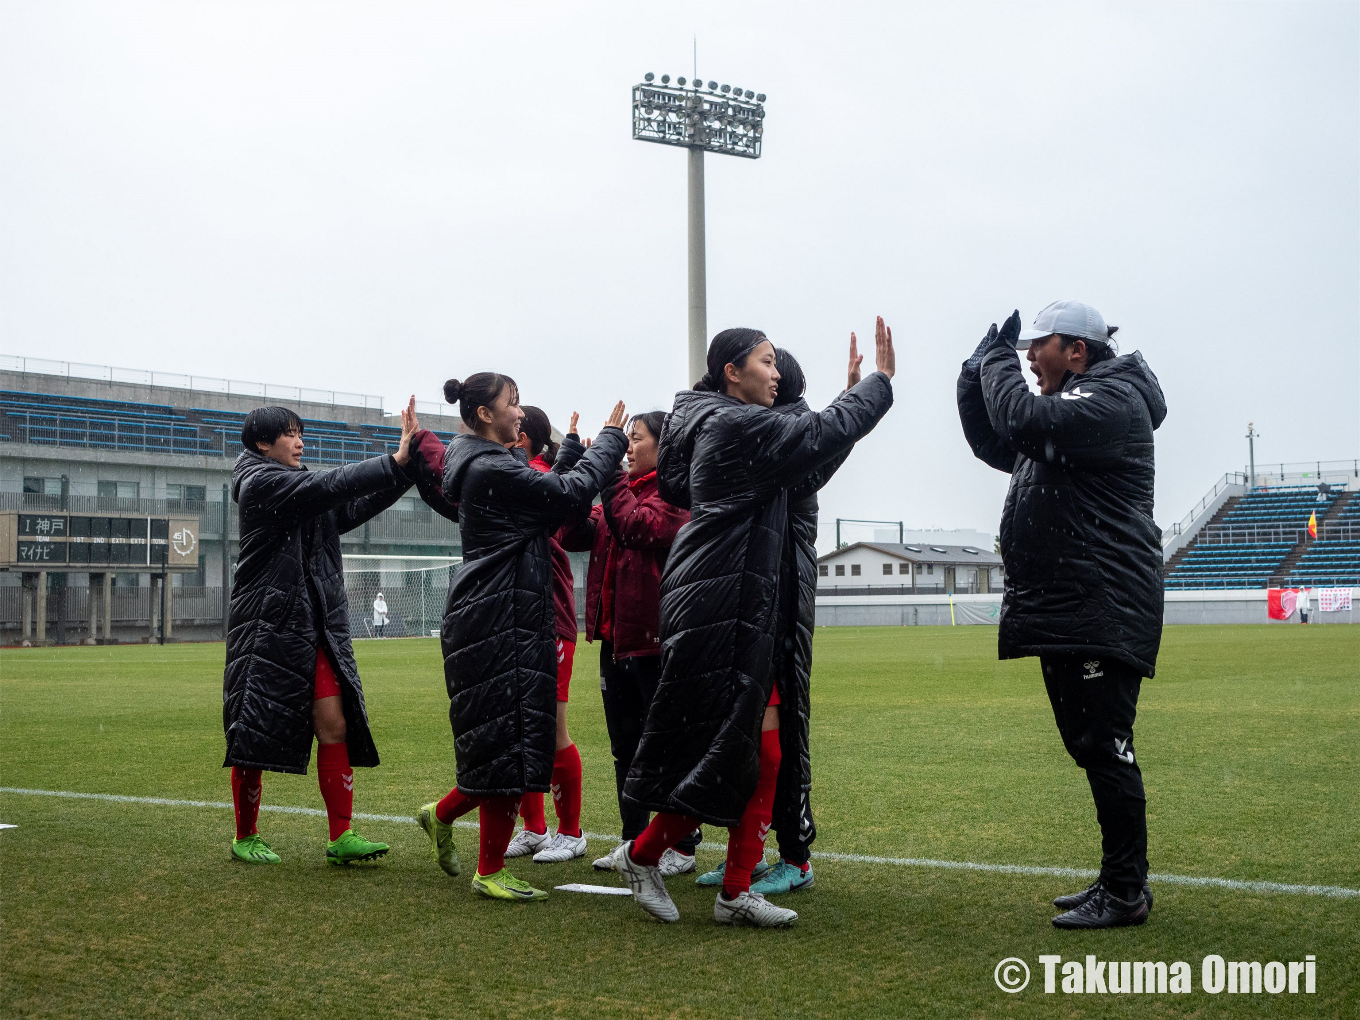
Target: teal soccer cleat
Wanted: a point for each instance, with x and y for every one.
(783, 878)
(715, 877)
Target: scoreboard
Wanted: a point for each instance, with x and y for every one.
(85, 542)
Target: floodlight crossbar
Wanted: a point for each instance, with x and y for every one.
(702, 120)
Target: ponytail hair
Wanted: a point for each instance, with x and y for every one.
(730, 347)
(539, 430)
(792, 384)
(478, 390)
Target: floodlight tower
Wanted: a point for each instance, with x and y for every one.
(719, 119)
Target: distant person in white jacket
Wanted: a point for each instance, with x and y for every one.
(1303, 605)
(379, 614)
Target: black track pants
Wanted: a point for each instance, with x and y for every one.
(794, 829)
(1094, 703)
(627, 687)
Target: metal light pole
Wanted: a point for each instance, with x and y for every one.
(698, 269)
(1251, 453)
(722, 119)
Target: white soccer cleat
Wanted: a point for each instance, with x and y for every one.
(526, 843)
(673, 862)
(607, 862)
(561, 848)
(649, 890)
(753, 909)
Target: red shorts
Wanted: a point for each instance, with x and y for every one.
(326, 685)
(774, 697)
(566, 654)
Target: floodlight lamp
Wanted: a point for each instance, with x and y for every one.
(725, 89)
(665, 79)
(648, 76)
(760, 97)
(712, 85)
(680, 81)
(750, 94)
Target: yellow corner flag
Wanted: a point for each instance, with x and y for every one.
(1312, 524)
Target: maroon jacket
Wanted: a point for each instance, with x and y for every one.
(564, 585)
(637, 526)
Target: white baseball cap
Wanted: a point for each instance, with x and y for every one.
(1070, 318)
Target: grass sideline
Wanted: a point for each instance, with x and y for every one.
(924, 746)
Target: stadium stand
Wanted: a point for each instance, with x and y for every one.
(53, 419)
(1261, 540)
(1334, 559)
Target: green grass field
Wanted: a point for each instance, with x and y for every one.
(924, 747)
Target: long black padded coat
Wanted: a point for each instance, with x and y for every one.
(1083, 555)
(793, 652)
(499, 631)
(733, 463)
(288, 600)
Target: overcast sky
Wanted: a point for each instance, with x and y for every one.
(375, 197)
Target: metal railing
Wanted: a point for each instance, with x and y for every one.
(1183, 525)
(174, 380)
(1276, 534)
(1306, 472)
(70, 606)
(1263, 581)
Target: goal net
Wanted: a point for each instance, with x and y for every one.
(414, 589)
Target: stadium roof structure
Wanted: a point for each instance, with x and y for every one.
(947, 554)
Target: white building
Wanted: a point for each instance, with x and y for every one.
(906, 568)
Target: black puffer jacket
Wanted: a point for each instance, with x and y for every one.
(733, 463)
(793, 654)
(1083, 555)
(500, 661)
(288, 599)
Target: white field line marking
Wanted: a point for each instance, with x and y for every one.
(1236, 884)
(4, 826)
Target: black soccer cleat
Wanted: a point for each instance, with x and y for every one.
(1076, 899)
(1103, 909)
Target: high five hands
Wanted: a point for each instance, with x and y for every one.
(410, 425)
(885, 358)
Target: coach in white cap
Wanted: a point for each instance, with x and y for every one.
(1083, 558)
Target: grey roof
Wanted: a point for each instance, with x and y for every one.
(923, 553)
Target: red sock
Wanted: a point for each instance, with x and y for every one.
(666, 829)
(566, 790)
(746, 842)
(245, 798)
(336, 780)
(497, 816)
(454, 805)
(531, 808)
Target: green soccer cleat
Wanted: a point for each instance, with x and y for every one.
(253, 850)
(351, 847)
(715, 877)
(505, 886)
(441, 839)
(783, 878)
